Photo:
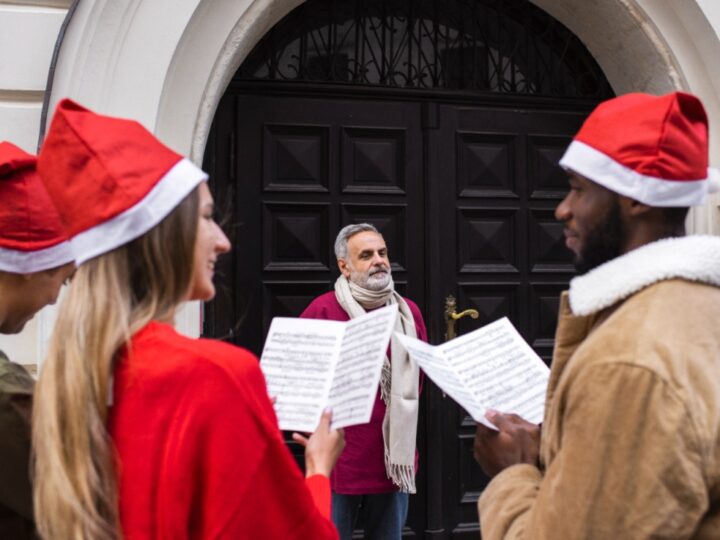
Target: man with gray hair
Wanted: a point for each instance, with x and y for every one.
(376, 471)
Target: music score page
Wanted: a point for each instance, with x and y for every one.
(490, 368)
(311, 364)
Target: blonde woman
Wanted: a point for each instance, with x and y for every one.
(142, 433)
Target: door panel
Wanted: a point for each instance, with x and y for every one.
(305, 168)
(493, 183)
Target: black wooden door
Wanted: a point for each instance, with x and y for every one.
(303, 168)
(464, 196)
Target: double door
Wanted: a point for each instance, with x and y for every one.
(464, 196)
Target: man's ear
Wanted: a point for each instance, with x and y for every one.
(630, 208)
(344, 268)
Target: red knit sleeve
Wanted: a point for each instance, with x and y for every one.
(244, 483)
(319, 486)
(280, 504)
(286, 504)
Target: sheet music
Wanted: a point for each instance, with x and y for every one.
(310, 364)
(435, 366)
(492, 367)
(357, 374)
(296, 360)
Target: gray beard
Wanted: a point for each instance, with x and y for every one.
(366, 281)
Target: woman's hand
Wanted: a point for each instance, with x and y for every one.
(323, 447)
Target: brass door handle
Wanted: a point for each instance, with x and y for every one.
(451, 316)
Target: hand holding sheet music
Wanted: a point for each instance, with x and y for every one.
(310, 364)
(490, 368)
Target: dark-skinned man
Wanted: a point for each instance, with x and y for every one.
(630, 443)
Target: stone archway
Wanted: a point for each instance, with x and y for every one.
(629, 47)
(104, 58)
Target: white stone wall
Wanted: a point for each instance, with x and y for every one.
(28, 31)
(690, 29)
(166, 64)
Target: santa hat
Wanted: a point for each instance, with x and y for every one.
(653, 149)
(32, 237)
(110, 178)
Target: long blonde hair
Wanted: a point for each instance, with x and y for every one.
(111, 297)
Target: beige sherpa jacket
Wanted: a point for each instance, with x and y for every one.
(631, 439)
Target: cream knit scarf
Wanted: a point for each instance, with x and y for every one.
(398, 383)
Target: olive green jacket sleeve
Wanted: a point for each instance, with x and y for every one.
(16, 510)
(624, 462)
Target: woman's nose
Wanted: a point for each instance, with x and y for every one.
(222, 244)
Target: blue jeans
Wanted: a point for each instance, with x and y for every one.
(383, 514)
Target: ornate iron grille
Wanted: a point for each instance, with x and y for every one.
(499, 46)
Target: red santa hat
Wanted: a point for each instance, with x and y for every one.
(110, 178)
(32, 237)
(653, 149)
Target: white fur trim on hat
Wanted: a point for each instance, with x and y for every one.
(602, 169)
(172, 188)
(713, 180)
(27, 262)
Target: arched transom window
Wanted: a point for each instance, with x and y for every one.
(493, 46)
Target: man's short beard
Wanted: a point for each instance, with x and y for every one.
(365, 280)
(603, 242)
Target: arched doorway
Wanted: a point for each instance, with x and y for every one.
(439, 121)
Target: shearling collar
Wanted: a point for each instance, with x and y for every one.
(694, 258)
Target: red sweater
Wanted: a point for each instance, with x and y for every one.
(361, 467)
(199, 452)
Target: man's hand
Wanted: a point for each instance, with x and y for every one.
(517, 441)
